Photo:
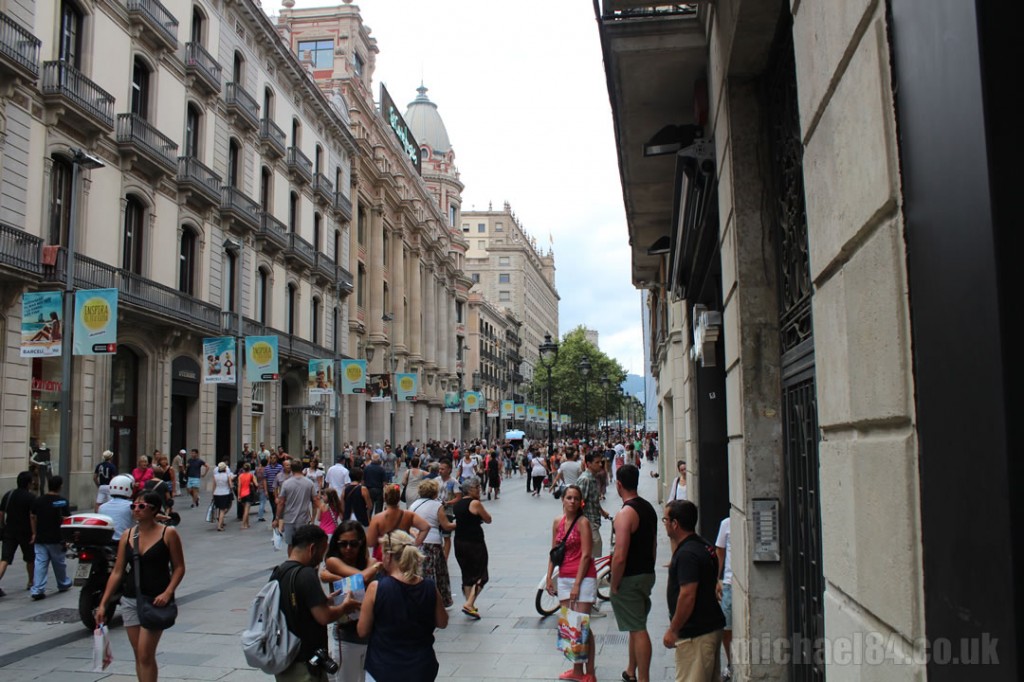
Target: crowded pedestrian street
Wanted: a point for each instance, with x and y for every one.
(44, 640)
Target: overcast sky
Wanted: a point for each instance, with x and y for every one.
(521, 89)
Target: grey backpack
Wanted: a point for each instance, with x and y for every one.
(267, 643)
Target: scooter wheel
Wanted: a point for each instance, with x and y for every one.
(88, 600)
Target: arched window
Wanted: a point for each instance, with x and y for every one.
(187, 258)
(387, 300)
(198, 24)
(230, 279)
(319, 160)
(386, 248)
(262, 295)
(337, 247)
(335, 331)
(314, 320)
(296, 132)
(60, 200)
(361, 285)
(193, 122)
(316, 230)
(238, 69)
(134, 214)
(266, 187)
(290, 310)
(293, 212)
(71, 20)
(234, 158)
(337, 178)
(268, 103)
(140, 88)
(361, 225)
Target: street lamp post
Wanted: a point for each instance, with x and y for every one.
(391, 365)
(79, 159)
(584, 368)
(478, 386)
(234, 247)
(605, 383)
(368, 352)
(548, 356)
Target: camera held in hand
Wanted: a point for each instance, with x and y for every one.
(322, 661)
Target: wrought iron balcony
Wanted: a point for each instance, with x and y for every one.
(273, 139)
(19, 250)
(324, 268)
(342, 206)
(156, 150)
(299, 165)
(92, 105)
(239, 209)
(19, 49)
(324, 188)
(157, 21)
(299, 251)
(345, 282)
(200, 182)
(202, 67)
(273, 234)
(242, 105)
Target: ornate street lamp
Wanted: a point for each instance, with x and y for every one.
(605, 383)
(548, 356)
(584, 368)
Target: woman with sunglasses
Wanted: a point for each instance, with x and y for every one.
(161, 568)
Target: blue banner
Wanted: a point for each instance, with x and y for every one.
(219, 366)
(471, 401)
(95, 322)
(321, 377)
(353, 377)
(42, 329)
(261, 358)
(407, 386)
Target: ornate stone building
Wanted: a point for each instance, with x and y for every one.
(410, 290)
(222, 162)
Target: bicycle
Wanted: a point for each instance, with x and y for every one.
(547, 604)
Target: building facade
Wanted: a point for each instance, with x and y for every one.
(506, 266)
(204, 209)
(409, 303)
(800, 226)
(495, 356)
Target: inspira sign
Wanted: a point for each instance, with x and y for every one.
(402, 132)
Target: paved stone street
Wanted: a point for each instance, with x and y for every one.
(44, 640)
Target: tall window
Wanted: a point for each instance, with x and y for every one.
(290, 307)
(337, 247)
(361, 285)
(319, 52)
(231, 277)
(316, 231)
(262, 294)
(193, 120)
(71, 19)
(296, 132)
(386, 301)
(234, 156)
(314, 321)
(318, 161)
(134, 213)
(293, 212)
(335, 331)
(140, 89)
(198, 20)
(266, 177)
(268, 103)
(386, 248)
(358, 64)
(187, 262)
(361, 226)
(60, 201)
(238, 69)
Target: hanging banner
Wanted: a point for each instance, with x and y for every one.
(95, 322)
(378, 387)
(408, 385)
(493, 409)
(520, 411)
(451, 402)
(321, 377)
(531, 413)
(542, 415)
(566, 418)
(42, 330)
(353, 377)
(508, 409)
(219, 366)
(261, 358)
(471, 401)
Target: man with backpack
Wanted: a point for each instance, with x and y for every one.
(294, 650)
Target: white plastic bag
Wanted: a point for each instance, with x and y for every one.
(209, 513)
(278, 540)
(102, 654)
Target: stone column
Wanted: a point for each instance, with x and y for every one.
(429, 317)
(375, 276)
(398, 292)
(415, 279)
(443, 332)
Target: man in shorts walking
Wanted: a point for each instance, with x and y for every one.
(636, 528)
(15, 513)
(195, 469)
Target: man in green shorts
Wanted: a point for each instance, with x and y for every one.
(636, 528)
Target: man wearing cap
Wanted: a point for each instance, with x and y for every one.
(101, 476)
(178, 465)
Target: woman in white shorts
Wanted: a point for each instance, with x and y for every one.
(577, 590)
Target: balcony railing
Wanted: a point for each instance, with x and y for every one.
(242, 103)
(65, 81)
(236, 204)
(300, 249)
(274, 137)
(325, 268)
(345, 281)
(201, 63)
(157, 18)
(300, 164)
(343, 205)
(138, 132)
(19, 46)
(324, 187)
(273, 231)
(19, 249)
(194, 175)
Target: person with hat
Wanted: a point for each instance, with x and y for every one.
(101, 476)
(178, 465)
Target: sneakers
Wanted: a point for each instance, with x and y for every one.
(38, 596)
(727, 673)
(64, 589)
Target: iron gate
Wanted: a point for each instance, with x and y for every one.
(805, 582)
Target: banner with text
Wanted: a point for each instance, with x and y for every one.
(353, 377)
(321, 377)
(451, 402)
(378, 387)
(531, 413)
(508, 409)
(95, 322)
(261, 358)
(520, 411)
(219, 366)
(493, 409)
(408, 385)
(42, 330)
(471, 401)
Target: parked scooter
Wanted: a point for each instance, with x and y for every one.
(90, 540)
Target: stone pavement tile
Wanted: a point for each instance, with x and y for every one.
(193, 672)
(485, 667)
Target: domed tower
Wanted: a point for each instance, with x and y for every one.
(436, 155)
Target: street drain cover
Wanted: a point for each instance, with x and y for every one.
(612, 640)
(56, 616)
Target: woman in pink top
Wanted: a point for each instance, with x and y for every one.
(577, 577)
(142, 473)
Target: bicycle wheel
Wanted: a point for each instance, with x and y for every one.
(604, 583)
(545, 603)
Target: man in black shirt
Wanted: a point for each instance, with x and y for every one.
(15, 509)
(47, 513)
(306, 608)
(374, 477)
(695, 629)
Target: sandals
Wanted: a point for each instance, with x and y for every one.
(472, 613)
(626, 677)
(571, 674)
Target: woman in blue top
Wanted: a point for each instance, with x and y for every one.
(399, 614)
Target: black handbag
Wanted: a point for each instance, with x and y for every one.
(557, 553)
(151, 616)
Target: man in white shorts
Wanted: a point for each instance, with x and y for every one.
(101, 476)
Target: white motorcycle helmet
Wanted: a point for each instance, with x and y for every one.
(121, 486)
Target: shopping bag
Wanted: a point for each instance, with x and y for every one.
(278, 540)
(102, 655)
(573, 634)
(209, 513)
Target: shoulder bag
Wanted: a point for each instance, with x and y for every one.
(151, 616)
(557, 553)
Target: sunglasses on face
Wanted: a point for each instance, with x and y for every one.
(140, 505)
(345, 544)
